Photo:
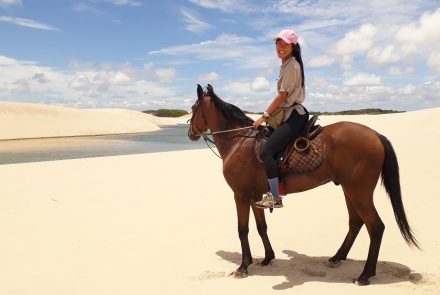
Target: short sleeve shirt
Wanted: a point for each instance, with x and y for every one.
(290, 81)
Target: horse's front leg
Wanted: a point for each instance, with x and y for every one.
(243, 208)
(260, 219)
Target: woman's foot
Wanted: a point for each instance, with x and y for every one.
(269, 201)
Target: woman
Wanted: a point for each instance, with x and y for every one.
(293, 117)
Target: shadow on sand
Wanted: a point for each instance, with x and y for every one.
(300, 269)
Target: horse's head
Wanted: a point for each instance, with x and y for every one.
(198, 123)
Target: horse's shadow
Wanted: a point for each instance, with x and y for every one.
(300, 269)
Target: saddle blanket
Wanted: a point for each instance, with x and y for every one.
(302, 155)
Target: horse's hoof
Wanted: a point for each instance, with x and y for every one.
(333, 264)
(266, 261)
(361, 281)
(238, 274)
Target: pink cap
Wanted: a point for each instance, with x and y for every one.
(287, 36)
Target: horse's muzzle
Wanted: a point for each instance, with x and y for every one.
(192, 136)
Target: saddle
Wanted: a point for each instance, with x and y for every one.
(305, 152)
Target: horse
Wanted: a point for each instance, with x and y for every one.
(355, 157)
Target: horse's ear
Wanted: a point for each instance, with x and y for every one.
(210, 89)
(199, 92)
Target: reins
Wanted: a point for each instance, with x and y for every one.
(206, 138)
(229, 130)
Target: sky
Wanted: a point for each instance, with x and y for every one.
(151, 54)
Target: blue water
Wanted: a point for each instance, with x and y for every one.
(169, 138)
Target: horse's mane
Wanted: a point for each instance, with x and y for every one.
(230, 111)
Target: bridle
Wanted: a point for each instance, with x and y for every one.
(192, 128)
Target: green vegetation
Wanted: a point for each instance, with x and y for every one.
(358, 112)
(166, 112)
(179, 113)
(352, 112)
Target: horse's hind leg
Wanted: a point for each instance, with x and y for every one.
(262, 230)
(354, 225)
(362, 203)
(375, 229)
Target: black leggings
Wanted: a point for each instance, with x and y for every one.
(279, 139)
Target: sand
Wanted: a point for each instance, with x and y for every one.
(165, 223)
(27, 120)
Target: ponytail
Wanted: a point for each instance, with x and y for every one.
(296, 53)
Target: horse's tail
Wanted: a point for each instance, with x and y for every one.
(391, 182)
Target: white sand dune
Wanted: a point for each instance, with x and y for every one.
(165, 223)
(26, 120)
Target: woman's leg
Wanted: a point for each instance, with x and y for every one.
(279, 139)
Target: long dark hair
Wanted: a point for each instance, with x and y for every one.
(296, 53)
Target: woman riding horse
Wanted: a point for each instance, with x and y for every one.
(287, 107)
(355, 156)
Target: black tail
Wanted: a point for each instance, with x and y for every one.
(391, 182)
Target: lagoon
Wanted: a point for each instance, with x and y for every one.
(169, 138)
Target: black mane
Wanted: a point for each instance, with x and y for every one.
(230, 111)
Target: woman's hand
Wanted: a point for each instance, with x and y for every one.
(259, 122)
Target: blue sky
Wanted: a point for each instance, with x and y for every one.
(141, 54)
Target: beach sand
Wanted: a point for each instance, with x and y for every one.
(165, 223)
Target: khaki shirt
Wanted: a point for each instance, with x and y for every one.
(289, 81)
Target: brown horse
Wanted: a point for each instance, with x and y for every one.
(355, 157)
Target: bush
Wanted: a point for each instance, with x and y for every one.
(358, 112)
(167, 113)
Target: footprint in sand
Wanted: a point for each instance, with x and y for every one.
(314, 273)
(424, 279)
(209, 275)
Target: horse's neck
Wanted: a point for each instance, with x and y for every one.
(228, 143)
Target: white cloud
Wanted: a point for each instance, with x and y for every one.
(120, 78)
(40, 77)
(383, 55)
(354, 43)
(193, 24)
(314, 24)
(358, 41)
(434, 61)
(166, 75)
(80, 82)
(238, 51)
(411, 41)
(126, 2)
(260, 84)
(237, 87)
(10, 2)
(27, 23)
(322, 60)
(226, 5)
(209, 77)
(363, 79)
(5, 61)
(20, 87)
(355, 12)
(81, 7)
(420, 34)
(397, 71)
(408, 89)
(84, 86)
